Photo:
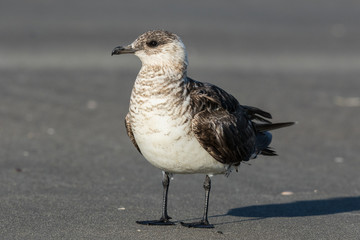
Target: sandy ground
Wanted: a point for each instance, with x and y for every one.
(68, 170)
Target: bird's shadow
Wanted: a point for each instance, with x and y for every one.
(298, 208)
(293, 209)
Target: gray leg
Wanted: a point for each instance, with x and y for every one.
(165, 219)
(204, 223)
(165, 182)
(207, 187)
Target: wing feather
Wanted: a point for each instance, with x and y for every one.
(129, 131)
(228, 131)
(220, 124)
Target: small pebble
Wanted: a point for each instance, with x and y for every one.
(91, 104)
(50, 131)
(347, 101)
(339, 160)
(287, 193)
(30, 135)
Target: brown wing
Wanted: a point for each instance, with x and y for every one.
(129, 132)
(226, 137)
(221, 124)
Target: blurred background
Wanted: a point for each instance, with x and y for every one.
(68, 170)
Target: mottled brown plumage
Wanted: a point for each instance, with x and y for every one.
(129, 131)
(184, 126)
(223, 127)
(220, 124)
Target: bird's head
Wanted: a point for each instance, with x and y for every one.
(157, 48)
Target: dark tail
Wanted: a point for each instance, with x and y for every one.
(263, 127)
(263, 137)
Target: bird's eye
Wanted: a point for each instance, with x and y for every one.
(152, 43)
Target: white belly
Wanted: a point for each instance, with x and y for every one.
(166, 144)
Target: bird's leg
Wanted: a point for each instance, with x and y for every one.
(165, 219)
(204, 223)
(165, 182)
(207, 187)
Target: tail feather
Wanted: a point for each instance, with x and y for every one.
(263, 137)
(257, 114)
(263, 140)
(255, 110)
(262, 127)
(268, 152)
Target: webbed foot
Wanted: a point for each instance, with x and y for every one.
(201, 224)
(162, 221)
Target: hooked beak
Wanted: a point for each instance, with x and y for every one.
(123, 50)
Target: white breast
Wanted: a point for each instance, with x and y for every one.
(166, 140)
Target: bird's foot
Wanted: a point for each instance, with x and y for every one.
(201, 224)
(162, 221)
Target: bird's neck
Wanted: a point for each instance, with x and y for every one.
(172, 72)
(158, 76)
(162, 82)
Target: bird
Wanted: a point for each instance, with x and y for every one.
(184, 126)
